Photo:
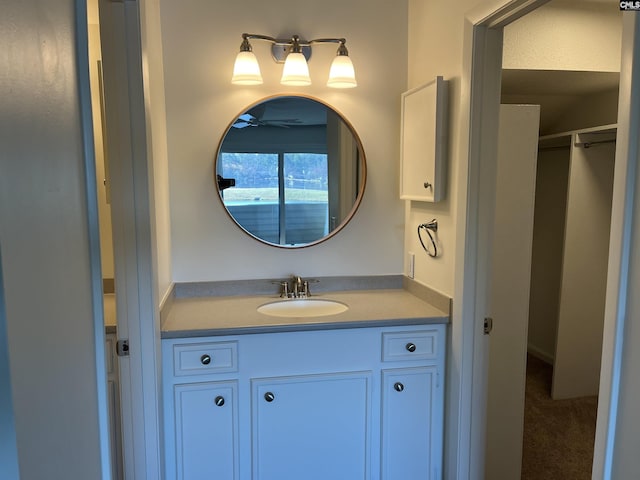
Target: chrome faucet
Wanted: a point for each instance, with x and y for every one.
(296, 287)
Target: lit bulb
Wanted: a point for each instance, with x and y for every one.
(246, 70)
(342, 74)
(296, 71)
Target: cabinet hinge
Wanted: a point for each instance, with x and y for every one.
(122, 347)
(488, 325)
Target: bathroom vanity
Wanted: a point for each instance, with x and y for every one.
(354, 395)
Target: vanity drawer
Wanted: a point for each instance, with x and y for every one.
(414, 345)
(205, 358)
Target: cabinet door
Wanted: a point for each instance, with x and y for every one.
(206, 425)
(423, 142)
(312, 427)
(411, 423)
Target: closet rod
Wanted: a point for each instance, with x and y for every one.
(590, 144)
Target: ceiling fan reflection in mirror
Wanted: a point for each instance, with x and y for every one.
(255, 117)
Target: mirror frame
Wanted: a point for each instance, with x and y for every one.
(361, 189)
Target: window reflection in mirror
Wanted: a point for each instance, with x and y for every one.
(290, 171)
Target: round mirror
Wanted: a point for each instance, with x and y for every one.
(290, 171)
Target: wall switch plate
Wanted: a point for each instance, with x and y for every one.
(411, 267)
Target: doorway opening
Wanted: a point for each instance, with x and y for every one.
(482, 72)
(577, 91)
(106, 238)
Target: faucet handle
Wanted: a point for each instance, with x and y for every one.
(284, 288)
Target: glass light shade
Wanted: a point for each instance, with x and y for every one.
(296, 71)
(341, 74)
(246, 70)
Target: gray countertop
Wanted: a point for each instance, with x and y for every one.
(212, 316)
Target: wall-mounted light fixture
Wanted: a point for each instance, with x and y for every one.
(294, 54)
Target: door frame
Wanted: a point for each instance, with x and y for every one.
(133, 221)
(480, 93)
(480, 99)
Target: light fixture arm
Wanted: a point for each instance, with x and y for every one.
(328, 40)
(280, 50)
(342, 48)
(281, 47)
(256, 36)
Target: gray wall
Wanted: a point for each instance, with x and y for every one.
(45, 244)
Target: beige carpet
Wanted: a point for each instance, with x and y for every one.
(558, 434)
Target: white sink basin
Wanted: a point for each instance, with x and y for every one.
(305, 307)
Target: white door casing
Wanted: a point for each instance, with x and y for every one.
(468, 395)
(133, 231)
(480, 86)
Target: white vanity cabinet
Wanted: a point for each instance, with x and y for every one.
(411, 424)
(206, 430)
(311, 426)
(353, 403)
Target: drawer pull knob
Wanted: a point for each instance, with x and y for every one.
(411, 347)
(205, 359)
(219, 400)
(398, 387)
(269, 397)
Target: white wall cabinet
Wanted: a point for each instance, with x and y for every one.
(423, 147)
(308, 404)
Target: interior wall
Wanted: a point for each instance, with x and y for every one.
(576, 371)
(587, 111)
(201, 102)
(45, 246)
(435, 48)
(568, 112)
(435, 36)
(151, 40)
(589, 34)
(104, 207)
(552, 178)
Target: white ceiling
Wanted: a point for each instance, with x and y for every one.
(557, 91)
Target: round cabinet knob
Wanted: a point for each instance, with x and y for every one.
(205, 359)
(269, 397)
(398, 387)
(411, 347)
(219, 400)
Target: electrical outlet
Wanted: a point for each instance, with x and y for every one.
(411, 266)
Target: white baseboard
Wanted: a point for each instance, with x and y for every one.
(540, 354)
